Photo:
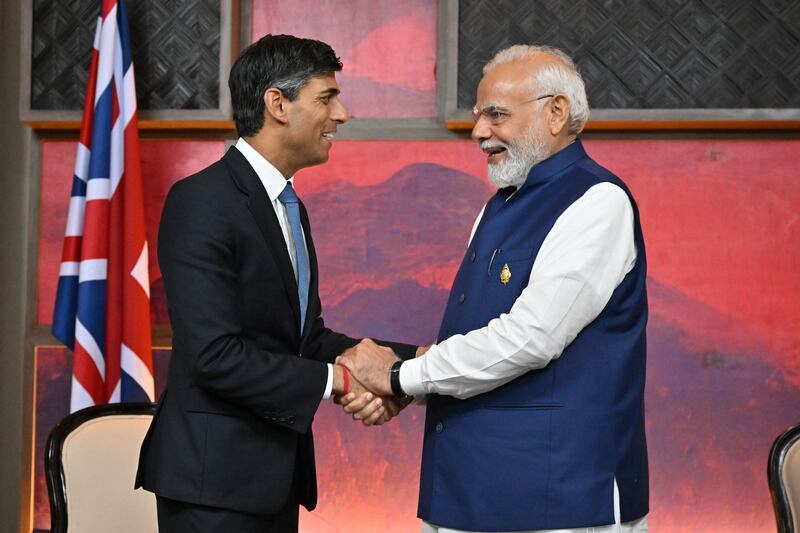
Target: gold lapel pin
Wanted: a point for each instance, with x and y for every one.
(505, 274)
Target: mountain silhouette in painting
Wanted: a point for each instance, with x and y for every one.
(415, 225)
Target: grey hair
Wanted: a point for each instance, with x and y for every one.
(291, 85)
(552, 78)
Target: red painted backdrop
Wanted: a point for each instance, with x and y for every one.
(390, 221)
(388, 49)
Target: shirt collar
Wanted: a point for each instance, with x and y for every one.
(270, 177)
(556, 163)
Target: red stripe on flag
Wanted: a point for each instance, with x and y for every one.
(72, 249)
(108, 5)
(85, 371)
(114, 299)
(95, 241)
(88, 104)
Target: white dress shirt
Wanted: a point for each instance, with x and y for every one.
(583, 259)
(274, 183)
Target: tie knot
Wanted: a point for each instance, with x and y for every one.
(288, 196)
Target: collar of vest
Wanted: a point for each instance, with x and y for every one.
(555, 164)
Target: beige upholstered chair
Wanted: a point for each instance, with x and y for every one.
(90, 463)
(783, 472)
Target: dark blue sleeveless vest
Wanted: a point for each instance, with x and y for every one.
(543, 451)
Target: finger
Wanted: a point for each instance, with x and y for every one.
(376, 418)
(344, 400)
(368, 410)
(359, 403)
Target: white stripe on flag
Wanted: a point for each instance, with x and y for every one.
(69, 268)
(85, 339)
(128, 97)
(139, 272)
(105, 65)
(97, 189)
(93, 270)
(118, 73)
(97, 28)
(136, 369)
(82, 162)
(75, 216)
(115, 396)
(79, 398)
(117, 162)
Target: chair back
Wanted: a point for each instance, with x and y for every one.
(783, 473)
(90, 465)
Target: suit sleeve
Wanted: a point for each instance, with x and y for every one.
(326, 345)
(196, 253)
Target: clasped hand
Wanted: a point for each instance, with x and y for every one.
(370, 397)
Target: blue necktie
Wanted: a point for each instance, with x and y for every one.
(289, 199)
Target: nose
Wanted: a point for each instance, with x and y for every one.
(339, 112)
(481, 130)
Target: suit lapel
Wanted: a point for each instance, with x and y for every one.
(260, 207)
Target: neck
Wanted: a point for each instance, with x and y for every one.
(272, 152)
(562, 142)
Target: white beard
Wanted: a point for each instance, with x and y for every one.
(520, 159)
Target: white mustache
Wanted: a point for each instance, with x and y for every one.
(485, 145)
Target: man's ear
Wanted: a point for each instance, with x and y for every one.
(274, 105)
(559, 114)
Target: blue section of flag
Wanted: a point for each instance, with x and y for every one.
(92, 310)
(124, 35)
(99, 161)
(66, 307)
(130, 390)
(78, 186)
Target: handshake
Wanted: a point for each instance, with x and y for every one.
(362, 383)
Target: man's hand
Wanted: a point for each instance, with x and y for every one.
(371, 410)
(362, 409)
(422, 349)
(370, 364)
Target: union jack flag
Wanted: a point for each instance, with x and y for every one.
(103, 302)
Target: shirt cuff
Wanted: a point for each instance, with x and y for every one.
(328, 384)
(411, 380)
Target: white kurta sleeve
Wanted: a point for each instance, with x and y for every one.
(584, 257)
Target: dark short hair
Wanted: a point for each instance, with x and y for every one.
(281, 61)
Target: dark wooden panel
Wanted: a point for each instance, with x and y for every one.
(175, 43)
(648, 54)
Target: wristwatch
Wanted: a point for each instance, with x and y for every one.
(394, 381)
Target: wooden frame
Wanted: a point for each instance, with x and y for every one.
(54, 471)
(457, 119)
(780, 499)
(213, 119)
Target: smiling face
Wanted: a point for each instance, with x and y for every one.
(312, 121)
(512, 125)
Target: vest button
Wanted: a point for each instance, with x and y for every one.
(439, 427)
(472, 257)
(461, 298)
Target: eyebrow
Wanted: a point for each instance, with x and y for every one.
(491, 106)
(330, 91)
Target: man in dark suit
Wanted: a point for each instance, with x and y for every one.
(230, 447)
